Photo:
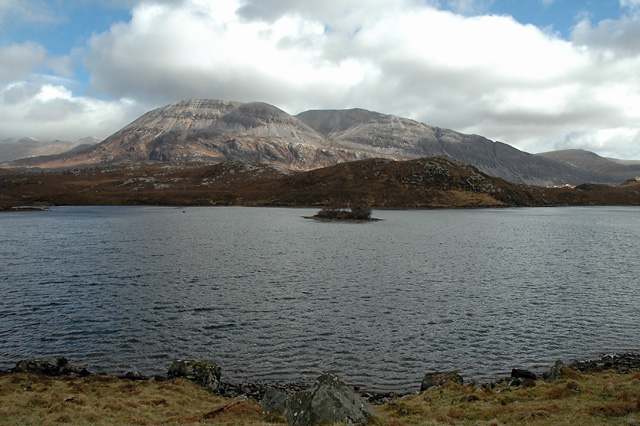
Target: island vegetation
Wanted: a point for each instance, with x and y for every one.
(345, 213)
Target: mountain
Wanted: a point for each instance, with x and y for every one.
(216, 131)
(396, 137)
(16, 148)
(615, 170)
(210, 131)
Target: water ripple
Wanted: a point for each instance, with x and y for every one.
(273, 297)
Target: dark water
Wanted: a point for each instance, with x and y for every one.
(271, 296)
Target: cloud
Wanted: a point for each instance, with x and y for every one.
(168, 53)
(631, 4)
(26, 11)
(17, 61)
(469, 7)
(602, 140)
(618, 37)
(49, 112)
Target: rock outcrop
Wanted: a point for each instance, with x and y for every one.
(555, 372)
(327, 401)
(50, 366)
(440, 378)
(621, 363)
(206, 374)
(518, 373)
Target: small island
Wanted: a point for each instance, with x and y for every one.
(345, 213)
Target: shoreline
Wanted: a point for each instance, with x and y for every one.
(607, 393)
(619, 363)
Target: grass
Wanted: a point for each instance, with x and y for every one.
(105, 400)
(602, 398)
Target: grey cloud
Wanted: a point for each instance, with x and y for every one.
(619, 36)
(268, 11)
(469, 7)
(55, 110)
(327, 11)
(17, 93)
(17, 61)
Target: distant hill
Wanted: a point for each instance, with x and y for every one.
(436, 182)
(16, 148)
(216, 131)
(616, 171)
(625, 162)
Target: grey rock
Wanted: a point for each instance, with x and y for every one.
(49, 366)
(273, 401)
(621, 363)
(133, 375)
(440, 378)
(517, 373)
(206, 374)
(75, 370)
(555, 372)
(327, 401)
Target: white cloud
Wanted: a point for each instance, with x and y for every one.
(632, 4)
(49, 112)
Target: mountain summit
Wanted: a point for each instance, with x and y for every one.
(216, 131)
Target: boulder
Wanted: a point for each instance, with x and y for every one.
(440, 378)
(133, 375)
(206, 374)
(517, 373)
(327, 401)
(49, 366)
(555, 372)
(75, 370)
(274, 401)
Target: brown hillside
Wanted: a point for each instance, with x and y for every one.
(436, 182)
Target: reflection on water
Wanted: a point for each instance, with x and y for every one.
(271, 296)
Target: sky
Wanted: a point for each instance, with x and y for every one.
(540, 75)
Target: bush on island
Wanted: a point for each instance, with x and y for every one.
(345, 213)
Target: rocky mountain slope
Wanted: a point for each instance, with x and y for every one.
(210, 131)
(216, 131)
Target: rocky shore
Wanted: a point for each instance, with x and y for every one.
(590, 392)
(208, 375)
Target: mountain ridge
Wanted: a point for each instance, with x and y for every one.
(209, 130)
(24, 147)
(583, 159)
